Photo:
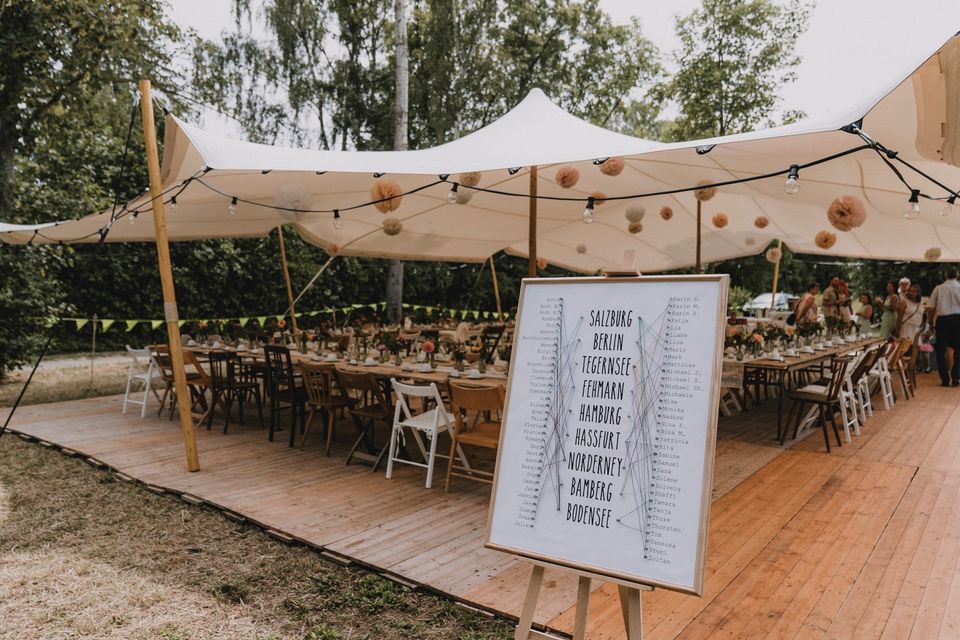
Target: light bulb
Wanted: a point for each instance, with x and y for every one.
(913, 211)
(452, 196)
(792, 185)
(232, 209)
(588, 212)
(132, 218)
(174, 207)
(947, 207)
(337, 222)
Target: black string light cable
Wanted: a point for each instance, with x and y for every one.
(118, 182)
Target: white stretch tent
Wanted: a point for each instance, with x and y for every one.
(917, 115)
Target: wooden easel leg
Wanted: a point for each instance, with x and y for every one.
(632, 612)
(583, 602)
(530, 603)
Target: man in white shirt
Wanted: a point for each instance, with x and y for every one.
(945, 316)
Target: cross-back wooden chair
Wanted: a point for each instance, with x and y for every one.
(476, 412)
(490, 338)
(824, 398)
(227, 385)
(197, 380)
(284, 390)
(367, 405)
(323, 395)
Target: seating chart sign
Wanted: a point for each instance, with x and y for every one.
(606, 450)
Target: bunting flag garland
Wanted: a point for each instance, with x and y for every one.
(131, 324)
(81, 323)
(154, 324)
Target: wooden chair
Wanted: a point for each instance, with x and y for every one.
(826, 400)
(195, 379)
(367, 405)
(319, 380)
(227, 385)
(483, 431)
(491, 336)
(898, 367)
(283, 389)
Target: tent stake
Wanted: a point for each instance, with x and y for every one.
(286, 278)
(532, 240)
(170, 313)
(496, 290)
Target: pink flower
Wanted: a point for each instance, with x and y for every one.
(428, 346)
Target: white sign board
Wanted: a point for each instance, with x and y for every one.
(606, 450)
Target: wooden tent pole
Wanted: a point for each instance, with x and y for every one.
(532, 240)
(776, 276)
(286, 278)
(496, 290)
(170, 313)
(698, 236)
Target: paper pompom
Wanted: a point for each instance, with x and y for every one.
(846, 213)
(932, 254)
(666, 213)
(761, 222)
(470, 179)
(292, 197)
(464, 196)
(389, 192)
(541, 263)
(392, 226)
(704, 193)
(635, 213)
(749, 241)
(774, 254)
(825, 239)
(635, 227)
(581, 248)
(567, 176)
(612, 166)
(599, 198)
(720, 220)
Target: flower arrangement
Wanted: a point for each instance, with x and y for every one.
(430, 348)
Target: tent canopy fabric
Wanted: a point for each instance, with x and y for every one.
(917, 115)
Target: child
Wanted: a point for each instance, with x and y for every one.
(925, 353)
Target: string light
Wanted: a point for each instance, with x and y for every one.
(513, 170)
(947, 207)
(232, 209)
(792, 185)
(913, 211)
(133, 218)
(337, 222)
(588, 212)
(174, 207)
(452, 196)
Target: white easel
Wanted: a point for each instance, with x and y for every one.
(630, 604)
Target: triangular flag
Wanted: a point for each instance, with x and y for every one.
(81, 323)
(262, 320)
(244, 321)
(476, 314)
(131, 324)
(107, 324)
(180, 323)
(313, 313)
(155, 324)
(279, 317)
(355, 306)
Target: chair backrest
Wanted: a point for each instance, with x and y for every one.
(472, 398)
(223, 365)
(318, 380)
(362, 391)
(139, 356)
(866, 363)
(896, 350)
(190, 360)
(279, 366)
(404, 391)
(491, 340)
(837, 379)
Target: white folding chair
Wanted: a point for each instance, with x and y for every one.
(143, 370)
(879, 378)
(728, 402)
(431, 423)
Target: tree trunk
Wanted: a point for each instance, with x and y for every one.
(395, 267)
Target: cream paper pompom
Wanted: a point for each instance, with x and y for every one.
(635, 213)
(666, 213)
(567, 176)
(292, 197)
(387, 195)
(749, 241)
(720, 220)
(932, 254)
(581, 248)
(825, 239)
(774, 254)
(470, 179)
(612, 166)
(392, 226)
(635, 227)
(464, 196)
(846, 213)
(704, 193)
(761, 222)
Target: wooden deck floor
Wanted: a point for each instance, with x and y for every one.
(860, 543)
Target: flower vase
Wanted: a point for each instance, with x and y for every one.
(482, 365)
(397, 359)
(433, 361)
(384, 357)
(459, 366)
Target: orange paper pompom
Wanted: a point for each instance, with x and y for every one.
(470, 179)
(388, 193)
(761, 222)
(599, 198)
(720, 220)
(612, 166)
(392, 226)
(704, 193)
(581, 248)
(666, 213)
(635, 227)
(541, 263)
(567, 176)
(932, 254)
(846, 213)
(825, 239)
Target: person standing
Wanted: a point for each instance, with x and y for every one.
(844, 302)
(888, 321)
(830, 301)
(910, 318)
(807, 306)
(945, 317)
(904, 287)
(865, 314)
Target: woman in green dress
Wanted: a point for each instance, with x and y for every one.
(891, 303)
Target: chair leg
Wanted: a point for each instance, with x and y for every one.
(146, 394)
(303, 438)
(823, 427)
(450, 461)
(331, 421)
(294, 406)
(833, 423)
(126, 394)
(259, 401)
(229, 400)
(432, 458)
(394, 436)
